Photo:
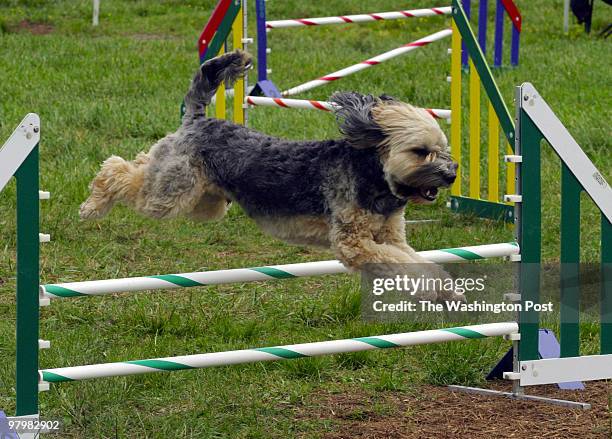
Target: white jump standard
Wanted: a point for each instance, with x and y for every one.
(288, 352)
(287, 271)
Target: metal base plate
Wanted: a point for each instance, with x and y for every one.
(522, 397)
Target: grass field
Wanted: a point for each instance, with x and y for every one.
(116, 89)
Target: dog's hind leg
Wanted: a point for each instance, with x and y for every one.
(211, 206)
(173, 185)
(117, 180)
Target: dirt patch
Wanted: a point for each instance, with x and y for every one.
(33, 28)
(436, 412)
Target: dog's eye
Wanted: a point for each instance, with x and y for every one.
(421, 151)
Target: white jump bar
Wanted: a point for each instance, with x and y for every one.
(563, 370)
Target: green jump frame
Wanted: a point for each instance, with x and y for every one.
(19, 158)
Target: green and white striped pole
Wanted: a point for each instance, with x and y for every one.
(136, 367)
(173, 281)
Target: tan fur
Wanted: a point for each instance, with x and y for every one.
(353, 240)
(171, 207)
(212, 206)
(393, 232)
(407, 128)
(303, 229)
(360, 239)
(120, 181)
(117, 180)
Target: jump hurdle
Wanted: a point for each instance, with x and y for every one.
(503, 8)
(307, 104)
(359, 18)
(255, 274)
(494, 204)
(368, 63)
(536, 121)
(275, 353)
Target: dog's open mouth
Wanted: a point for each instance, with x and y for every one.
(429, 193)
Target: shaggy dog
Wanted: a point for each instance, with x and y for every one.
(347, 194)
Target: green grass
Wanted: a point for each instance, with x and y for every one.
(116, 89)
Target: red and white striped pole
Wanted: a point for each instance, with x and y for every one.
(308, 104)
(368, 63)
(359, 18)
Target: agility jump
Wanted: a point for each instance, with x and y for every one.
(255, 274)
(536, 121)
(359, 18)
(275, 353)
(528, 369)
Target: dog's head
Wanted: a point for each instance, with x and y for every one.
(412, 148)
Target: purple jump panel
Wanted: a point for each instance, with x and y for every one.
(483, 12)
(262, 41)
(549, 348)
(499, 34)
(514, 50)
(467, 6)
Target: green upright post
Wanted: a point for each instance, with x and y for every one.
(570, 259)
(27, 285)
(222, 32)
(606, 286)
(530, 234)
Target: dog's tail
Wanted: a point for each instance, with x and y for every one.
(210, 75)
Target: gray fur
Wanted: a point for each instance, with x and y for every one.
(355, 119)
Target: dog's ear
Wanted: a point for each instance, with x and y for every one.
(354, 116)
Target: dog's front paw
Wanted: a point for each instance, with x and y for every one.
(90, 210)
(450, 296)
(447, 292)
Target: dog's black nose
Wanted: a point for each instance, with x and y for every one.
(451, 174)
